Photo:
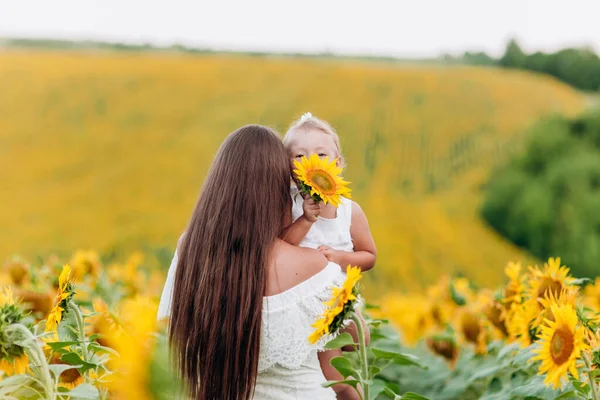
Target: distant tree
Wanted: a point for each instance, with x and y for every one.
(537, 62)
(547, 198)
(479, 58)
(513, 56)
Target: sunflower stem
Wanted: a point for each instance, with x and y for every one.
(593, 383)
(37, 355)
(81, 329)
(362, 351)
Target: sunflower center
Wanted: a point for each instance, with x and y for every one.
(494, 313)
(562, 345)
(444, 348)
(436, 314)
(471, 327)
(323, 181)
(70, 376)
(548, 286)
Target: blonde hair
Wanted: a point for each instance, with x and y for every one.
(307, 122)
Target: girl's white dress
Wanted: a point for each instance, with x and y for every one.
(288, 367)
(334, 233)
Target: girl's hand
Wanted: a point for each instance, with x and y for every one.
(329, 253)
(311, 208)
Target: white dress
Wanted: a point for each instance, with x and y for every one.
(334, 232)
(288, 366)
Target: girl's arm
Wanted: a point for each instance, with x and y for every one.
(293, 233)
(343, 392)
(365, 252)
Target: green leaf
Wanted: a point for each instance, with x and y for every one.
(74, 359)
(8, 385)
(378, 335)
(535, 388)
(374, 370)
(509, 348)
(340, 341)
(580, 386)
(369, 306)
(398, 358)
(581, 281)
(351, 382)
(457, 297)
(58, 369)
(95, 347)
(391, 393)
(84, 391)
(568, 396)
(94, 337)
(61, 345)
(344, 367)
(413, 396)
(486, 372)
(377, 387)
(524, 356)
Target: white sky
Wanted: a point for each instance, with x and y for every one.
(413, 28)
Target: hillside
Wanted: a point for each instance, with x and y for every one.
(108, 150)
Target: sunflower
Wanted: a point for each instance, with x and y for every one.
(17, 366)
(520, 323)
(36, 302)
(445, 347)
(69, 378)
(102, 323)
(591, 295)
(495, 313)
(552, 279)
(321, 179)
(18, 271)
(12, 356)
(64, 295)
(338, 307)
(135, 343)
(85, 263)
(6, 297)
(471, 324)
(568, 295)
(409, 313)
(561, 345)
(440, 301)
(514, 289)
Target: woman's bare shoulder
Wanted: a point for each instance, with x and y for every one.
(292, 265)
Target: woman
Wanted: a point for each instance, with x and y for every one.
(240, 300)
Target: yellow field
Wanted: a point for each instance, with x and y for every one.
(108, 151)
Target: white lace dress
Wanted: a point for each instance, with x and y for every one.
(288, 366)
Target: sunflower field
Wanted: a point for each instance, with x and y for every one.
(79, 330)
(108, 150)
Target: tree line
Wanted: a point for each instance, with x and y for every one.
(546, 199)
(579, 67)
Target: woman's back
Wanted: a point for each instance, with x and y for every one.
(298, 283)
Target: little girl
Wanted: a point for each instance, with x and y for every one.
(342, 234)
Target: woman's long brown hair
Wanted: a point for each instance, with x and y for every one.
(221, 275)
